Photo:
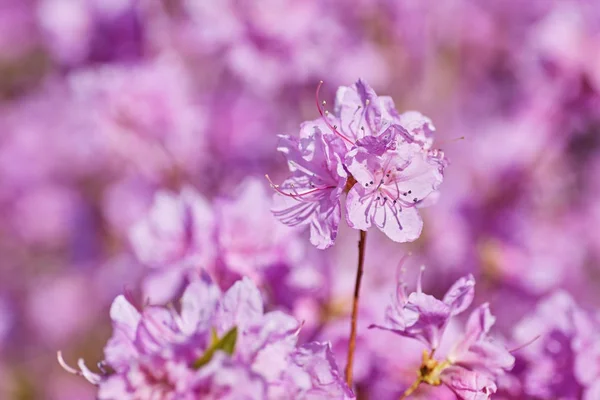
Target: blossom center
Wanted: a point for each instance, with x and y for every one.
(431, 369)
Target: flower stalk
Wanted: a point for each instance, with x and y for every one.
(359, 272)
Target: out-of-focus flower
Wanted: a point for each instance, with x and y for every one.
(80, 31)
(271, 45)
(18, 35)
(474, 363)
(423, 317)
(145, 114)
(177, 229)
(218, 345)
(174, 237)
(586, 346)
(550, 360)
(181, 233)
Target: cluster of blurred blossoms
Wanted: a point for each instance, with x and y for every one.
(204, 343)
(217, 346)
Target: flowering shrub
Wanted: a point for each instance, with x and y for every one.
(135, 137)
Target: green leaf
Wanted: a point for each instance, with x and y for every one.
(226, 344)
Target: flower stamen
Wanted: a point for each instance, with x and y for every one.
(296, 195)
(325, 113)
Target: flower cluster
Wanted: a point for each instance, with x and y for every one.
(135, 135)
(475, 361)
(382, 159)
(182, 233)
(217, 346)
(565, 360)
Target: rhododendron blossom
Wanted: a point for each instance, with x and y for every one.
(386, 168)
(311, 196)
(135, 137)
(219, 345)
(474, 363)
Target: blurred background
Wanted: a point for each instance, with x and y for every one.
(104, 103)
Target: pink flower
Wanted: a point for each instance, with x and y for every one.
(175, 237)
(557, 364)
(390, 169)
(423, 317)
(361, 112)
(178, 228)
(219, 345)
(474, 364)
(243, 249)
(476, 350)
(311, 196)
(389, 188)
(468, 385)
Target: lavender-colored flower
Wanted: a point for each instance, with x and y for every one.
(311, 196)
(550, 361)
(177, 228)
(81, 31)
(474, 363)
(468, 385)
(273, 44)
(586, 346)
(218, 346)
(419, 127)
(389, 188)
(390, 170)
(242, 248)
(361, 112)
(476, 350)
(314, 374)
(423, 317)
(175, 235)
(144, 115)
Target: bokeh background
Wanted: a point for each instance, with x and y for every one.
(104, 103)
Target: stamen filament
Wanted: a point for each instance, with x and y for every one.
(295, 195)
(322, 113)
(65, 366)
(525, 344)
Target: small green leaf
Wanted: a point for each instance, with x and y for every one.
(226, 344)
